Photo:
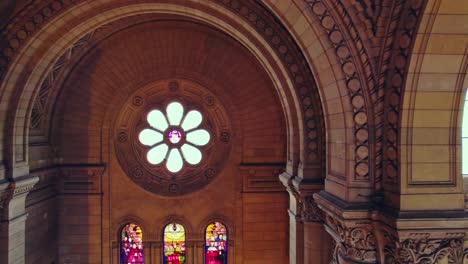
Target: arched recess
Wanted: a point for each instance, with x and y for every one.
(294, 82)
(35, 56)
(432, 109)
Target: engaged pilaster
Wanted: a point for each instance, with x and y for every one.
(306, 222)
(13, 195)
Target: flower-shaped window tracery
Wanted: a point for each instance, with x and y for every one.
(174, 137)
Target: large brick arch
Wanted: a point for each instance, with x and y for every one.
(307, 151)
(339, 53)
(342, 72)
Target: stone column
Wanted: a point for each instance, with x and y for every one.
(13, 218)
(147, 251)
(317, 242)
(156, 251)
(190, 252)
(115, 257)
(199, 248)
(296, 227)
(305, 222)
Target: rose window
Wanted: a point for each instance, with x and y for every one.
(174, 137)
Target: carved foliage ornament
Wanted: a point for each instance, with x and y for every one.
(356, 243)
(430, 251)
(311, 211)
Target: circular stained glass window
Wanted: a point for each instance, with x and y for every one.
(174, 137)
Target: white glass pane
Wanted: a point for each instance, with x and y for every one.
(175, 111)
(157, 120)
(174, 161)
(192, 120)
(199, 137)
(191, 154)
(150, 137)
(464, 155)
(465, 120)
(157, 154)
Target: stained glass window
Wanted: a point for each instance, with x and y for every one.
(465, 138)
(174, 244)
(216, 244)
(131, 245)
(174, 137)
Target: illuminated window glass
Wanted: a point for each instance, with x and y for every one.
(216, 244)
(465, 138)
(174, 137)
(131, 244)
(174, 244)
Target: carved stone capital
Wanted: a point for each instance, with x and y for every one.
(311, 211)
(424, 248)
(422, 241)
(13, 196)
(430, 251)
(305, 209)
(352, 228)
(355, 241)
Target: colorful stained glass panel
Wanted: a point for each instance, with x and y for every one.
(174, 244)
(131, 245)
(216, 244)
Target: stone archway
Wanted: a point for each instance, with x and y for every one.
(306, 141)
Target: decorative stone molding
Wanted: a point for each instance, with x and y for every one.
(23, 185)
(355, 87)
(157, 178)
(306, 209)
(423, 248)
(42, 107)
(355, 241)
(17, 187)
(393, 77)
(81, 179)
(430, 251)
(311, 211)
(365, 234)
(261, 178)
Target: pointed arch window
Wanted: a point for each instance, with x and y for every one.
(216, 244)
(131, 244)
(465, 138)
(174, 244)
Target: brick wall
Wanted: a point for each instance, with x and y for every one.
(265, 228)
